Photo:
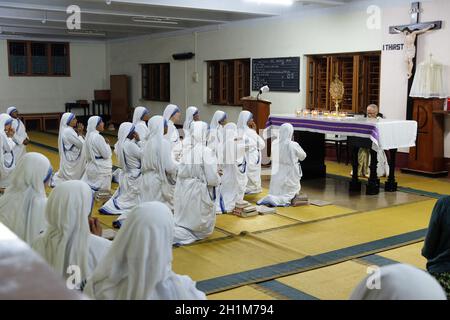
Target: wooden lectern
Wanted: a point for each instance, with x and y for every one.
(260, 110)
(427, 157)
(120, 105)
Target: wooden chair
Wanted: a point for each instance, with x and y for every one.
(338, 141)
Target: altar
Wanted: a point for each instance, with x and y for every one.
(375, 134)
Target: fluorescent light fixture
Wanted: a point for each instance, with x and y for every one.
(154, 20)
(86, 33)
(275, 2)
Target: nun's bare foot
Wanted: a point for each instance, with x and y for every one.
(96, 228)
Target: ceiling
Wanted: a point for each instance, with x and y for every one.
(111, 19)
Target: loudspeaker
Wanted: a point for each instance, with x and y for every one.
(183, 56)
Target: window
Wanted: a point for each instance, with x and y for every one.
(228, 81)
(39, 59)
(360, 73)
(59, 57)
(156, 81)
(30, 58)
(18, 61)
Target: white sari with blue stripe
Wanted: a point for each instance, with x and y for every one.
(194, 200)
(72, 159)
(98, 153)
(286, 169)
(253, 146)
(129, 193)
(7, 159)
(234, 178)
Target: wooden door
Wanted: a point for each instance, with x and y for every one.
(119, 98)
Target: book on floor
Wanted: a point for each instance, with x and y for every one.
(103, 195)
(242, 204)
(244, 214)
(245, 209)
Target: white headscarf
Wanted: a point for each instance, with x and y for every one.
(93, 122)
(244, 118)
(124, 130)
(284, 140)
(139, 112)
(194, 152)
(4, 121)
(64, 123)
(232, 154)
(190, 113)
(215, 134)
(199, 132)
(22, 207)
(399, 282)
(65, 242)
(152, 157)
(219, 116)
(170, 110)
(138, 265)
(11, 110)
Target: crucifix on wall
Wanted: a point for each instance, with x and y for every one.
(410, 32)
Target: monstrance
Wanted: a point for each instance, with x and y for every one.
(337, 91)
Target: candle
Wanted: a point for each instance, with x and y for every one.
(315, 113)
(299, 113)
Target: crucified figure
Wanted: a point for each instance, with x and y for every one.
(410, 47)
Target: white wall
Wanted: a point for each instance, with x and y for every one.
(325, 31)
(49, 94)
(296, 35)
(394, 82)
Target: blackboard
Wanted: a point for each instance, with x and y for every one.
(280, 74)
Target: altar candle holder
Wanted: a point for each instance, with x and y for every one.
(334, 114)
(326, 114)
(306, 112)
(299, 113)
(314, 113)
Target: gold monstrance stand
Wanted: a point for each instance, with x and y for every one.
(337, 91)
